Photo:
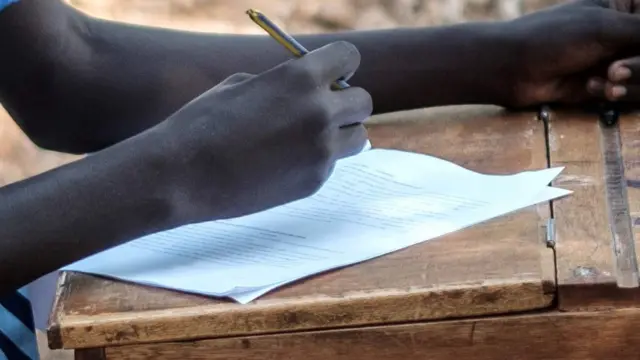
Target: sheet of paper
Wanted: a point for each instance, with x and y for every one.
(548, 193)
(374, 203)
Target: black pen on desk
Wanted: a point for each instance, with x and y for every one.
(286, 40)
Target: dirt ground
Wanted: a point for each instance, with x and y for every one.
(19, 158)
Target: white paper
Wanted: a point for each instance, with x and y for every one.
(374, 203)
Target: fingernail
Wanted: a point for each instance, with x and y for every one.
(595, 84)
(621, 73)
(618, 91)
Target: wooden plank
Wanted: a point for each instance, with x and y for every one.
(500, 266)
(91, 354)
(583, 241)
(630, 141)
(547, 336)
(587, 268)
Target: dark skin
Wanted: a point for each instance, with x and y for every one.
(183, 170)
(619, 82)
(163, 159)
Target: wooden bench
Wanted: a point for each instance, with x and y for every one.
(510, 288)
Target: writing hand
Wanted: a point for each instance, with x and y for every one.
(258, 141)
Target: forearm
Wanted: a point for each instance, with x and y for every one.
(402, 68)
(107, 81)
(406, 69)
(63, 215)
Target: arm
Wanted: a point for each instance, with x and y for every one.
(402, 68)
(63, 215)
(115, 80)
(175, 174)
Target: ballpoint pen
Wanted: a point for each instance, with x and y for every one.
(286, 40)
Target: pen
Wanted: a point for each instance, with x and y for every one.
(285, 40)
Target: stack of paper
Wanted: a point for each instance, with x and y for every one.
(377, 202)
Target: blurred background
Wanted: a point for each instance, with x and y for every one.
(19, 158)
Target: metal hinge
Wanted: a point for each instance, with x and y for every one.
(551, 233)
(544, 114)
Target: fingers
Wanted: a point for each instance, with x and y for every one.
(334, 117)
(620, 83)
(629, 93)
(603, 89)
(624, 71)
(611, 92)
(353, 106)
(347, 110)
(322, 66)
(351, 140)
(333, 61)
(350, 106)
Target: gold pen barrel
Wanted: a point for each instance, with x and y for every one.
(285, 40)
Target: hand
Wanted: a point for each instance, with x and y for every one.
(563, 46)
(621, 80)
(255, 142)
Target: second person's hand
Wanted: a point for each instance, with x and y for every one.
(560, 48)
(620, 81)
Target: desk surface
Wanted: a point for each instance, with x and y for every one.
(588, 264)
(497, 267)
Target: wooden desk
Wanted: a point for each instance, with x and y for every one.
(497, 290)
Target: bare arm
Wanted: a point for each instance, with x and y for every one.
(208, 161)
(107, 81)
(63, 215)
(402, 68)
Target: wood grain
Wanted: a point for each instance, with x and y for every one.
(630, 139)
(586, 264)
(549, 336)
(500, 266)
